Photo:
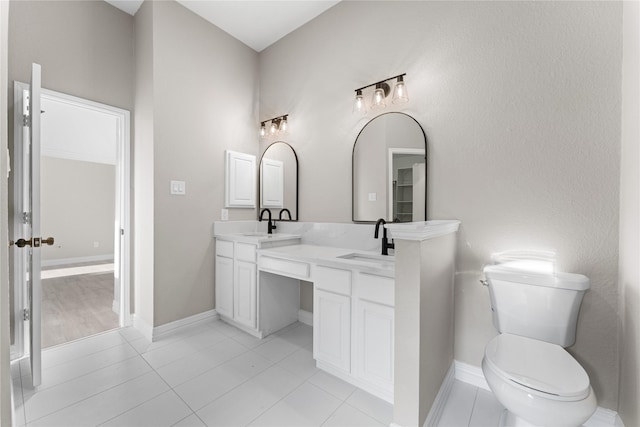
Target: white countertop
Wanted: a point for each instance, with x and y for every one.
(369, 262)
(257, 237)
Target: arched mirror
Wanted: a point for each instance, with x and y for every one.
(390, 170)
(278, 181)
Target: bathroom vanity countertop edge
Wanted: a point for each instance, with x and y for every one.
(330, 257)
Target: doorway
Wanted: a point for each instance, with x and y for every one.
(85, 179)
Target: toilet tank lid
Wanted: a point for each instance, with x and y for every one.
(538, 365)
(571, 281)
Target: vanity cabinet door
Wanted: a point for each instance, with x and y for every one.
(332, 329)
(244, 293)
(224, 286)
(374, 343)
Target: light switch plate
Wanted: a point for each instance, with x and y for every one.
(224, 214)
(373, 197)
(178, 188)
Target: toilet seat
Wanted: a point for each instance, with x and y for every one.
(538, 367)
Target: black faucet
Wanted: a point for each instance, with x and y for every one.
(385, 242)
(284, 210)
(271, 225)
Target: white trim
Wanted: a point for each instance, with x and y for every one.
(603, 417)
(433, 417)
(78, 260)
(305, 317)
(143, 327)
(470, 374)
(473, 375)
(123, 211)
(391, 152)
(173, 327)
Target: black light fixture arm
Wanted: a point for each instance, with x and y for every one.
(379, 82)
(276, 119)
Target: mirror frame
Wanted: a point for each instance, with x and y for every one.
(353, 152)
(295, 155)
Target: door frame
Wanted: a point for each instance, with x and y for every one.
(122, 226)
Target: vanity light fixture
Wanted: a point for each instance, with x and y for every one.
(400, 94)
(380, 93)
(359, 105)
(275, 126)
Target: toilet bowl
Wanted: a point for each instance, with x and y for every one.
(526, 366)
(539, 383)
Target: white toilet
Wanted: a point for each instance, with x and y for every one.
(530, 373)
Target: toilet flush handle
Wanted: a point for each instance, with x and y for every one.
(484, 282)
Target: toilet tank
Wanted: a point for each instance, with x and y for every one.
(542, 306)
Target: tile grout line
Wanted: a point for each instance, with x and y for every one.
(473, 407)
(84, 399)
(86, 373)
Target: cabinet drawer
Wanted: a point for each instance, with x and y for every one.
(333, 280)
(376, 288)
(224, 248)
(284, 267)
(246, 252)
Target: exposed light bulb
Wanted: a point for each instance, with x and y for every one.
(273, 128)
(359, 105)
(284, 126)
(378, 97)
(263, 130)
(400, 94)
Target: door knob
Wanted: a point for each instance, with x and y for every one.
(21, 243)
(35, 242)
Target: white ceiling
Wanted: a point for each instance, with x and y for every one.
(257, 23)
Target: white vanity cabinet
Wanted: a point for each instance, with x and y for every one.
(332, 317)
(353, 327)
(236, 283)
(236, 292)
(374, 331)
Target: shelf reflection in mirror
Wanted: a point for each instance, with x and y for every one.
(278, 186)
(396, 144)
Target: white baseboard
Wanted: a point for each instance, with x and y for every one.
(172, 327)
(143, 327)
(433, 417)
(604, 418)
(473, 375)
(305, 317)
(470, 374)
(78, 260)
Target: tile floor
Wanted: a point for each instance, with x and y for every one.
(210, 374)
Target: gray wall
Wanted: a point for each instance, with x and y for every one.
(204, 100)
(85, 48)
(629, 279)
(87, 192)
(521, 105)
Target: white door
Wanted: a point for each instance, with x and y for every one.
(28, 245)
(26, 200)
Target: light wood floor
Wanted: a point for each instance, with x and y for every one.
(77, 306)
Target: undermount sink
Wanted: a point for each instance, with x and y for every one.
(255, 234)
(379, 260)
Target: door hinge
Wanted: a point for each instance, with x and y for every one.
(122, 231)
(26, 120)
(25, 314)
(26, 217)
